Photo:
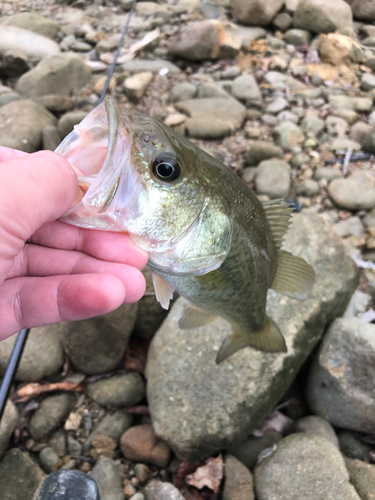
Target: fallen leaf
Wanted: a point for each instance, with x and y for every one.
(210, 475)
(32, 390)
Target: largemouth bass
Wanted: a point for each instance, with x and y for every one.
(207, 235)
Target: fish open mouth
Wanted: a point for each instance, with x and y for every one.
(99, 148)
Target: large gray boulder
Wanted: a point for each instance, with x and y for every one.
(256, 12)
(58, 74)
(340, 386)
(22, 123)
(304, 466)
(34, 46)
(199, 407)
(364, 10)
(320, 16)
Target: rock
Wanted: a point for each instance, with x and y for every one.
(210, 39)
(255, 12)
(58, 442)
(288, 134)
(336, 126)
(327, 173)
(273, 178)
(69, 120)
(279, 104)
(338, 49)
(55, 103)
(353, 447)
(14, 63)
(360, 104)
(112, 426)
(22, 123)
(339, 384)
(43, 354)
(362, 477)
(150, 313)
(50, 414)
(281, 81)
(309, 188)
(322, 475)
(247, 35)
(367, 82)
(319, 16)
(361, 132)
(106, 474)
(153, 65)
(368, 145)
(283, 21)
(19, 475)
(317, 426)
(127, 389)
(238, 480)
(51, 138)
(349, 227)
(156, 490)
(262, 150)
(48, 459)
(8, 423)
(34, 46)
(246, 89)
(98, 345)
(364, 10)
(34, 22)
(358, 303)
(182, 92)
(135, 86)
(9, 97)
(212, 118)
(248, 451)
(56, 74)
(297, 37)
(67, 484)
(208, 90)
(299, 160)
(227, 402)
(312, 125)
(138, 496)
(140, 444)
(352, 195)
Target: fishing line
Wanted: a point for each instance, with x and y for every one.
(20, 343)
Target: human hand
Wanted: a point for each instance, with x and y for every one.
(51, 271)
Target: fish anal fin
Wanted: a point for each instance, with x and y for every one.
(278, 214)
(163, 290)
(268, 338)
(294, 276)
(194, 317)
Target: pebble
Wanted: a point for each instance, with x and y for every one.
(277, 106)
(48, 459)
(340, 377)
(106, 473)
(135, 86)
(309, 188)
(367, 82)
(156, 490)
(127, 389)
(327, 173)
(182, 92)
(283, 21)
(273, 178)
(358, 303)
(317, 426)
(336, 126)
(349, 227)
(351, 446)
(248, 450)
(238, 480)
(34, 46)
(58, 442)
(246, 89)
(67, 484)
(312, 125)
(299, 160)
(51, 412)
(351, 195)
(8, 423)
(362, 477)
(113, 426)
(154, 65)
(317, 16)
(262, 150)
(297, 37)
(142, 472)
(288, 134)
(140, 444)
(287, 472)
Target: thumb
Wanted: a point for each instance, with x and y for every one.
(34, 189)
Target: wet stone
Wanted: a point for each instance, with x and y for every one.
(262, 150)
(352, 195)
(273, 178)
(245, 88)
(112, 426)
(352, 447)
(288, 134)
(107, 476)
(317, 426)
(309, 188)
(57, 442)
(120, 390)
(238, 480)
(297, 37)
(50, 414)
(48, 459)
(140, 444)
(182, 92)
(8, 423)
(68, 484)
(156, 490)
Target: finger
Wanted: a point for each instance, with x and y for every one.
(39, 261)
(116, 247)
(10, 154)
(31, 302)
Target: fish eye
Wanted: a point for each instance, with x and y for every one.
(166, 167)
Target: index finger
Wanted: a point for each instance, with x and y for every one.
(10, 154)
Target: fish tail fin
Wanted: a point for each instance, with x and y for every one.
(268, 338)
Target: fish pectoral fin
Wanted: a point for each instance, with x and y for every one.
(194, 317)
(294, 276)
(269, 338)
(278, 214)
(163, 290)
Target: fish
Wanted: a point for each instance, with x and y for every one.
(207, 235)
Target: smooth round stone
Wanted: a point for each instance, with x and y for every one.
(48, 458)
(121, 390)
(351, 195)
(368, 82)
(309, 188)
(297, 37)
(67, 485)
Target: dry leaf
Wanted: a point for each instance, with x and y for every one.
(30, 391)
(210, 475)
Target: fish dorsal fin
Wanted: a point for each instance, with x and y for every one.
(268, 338)
(163, 290)
(278, 215)
(194, 317)
(294, 276)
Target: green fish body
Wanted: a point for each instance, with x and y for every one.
(208, 236)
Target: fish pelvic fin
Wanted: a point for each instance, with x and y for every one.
(268, 338)
(294, 276)
(278, 214)
(194, 317)
(163, 290)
